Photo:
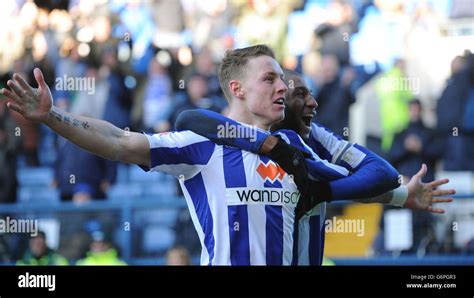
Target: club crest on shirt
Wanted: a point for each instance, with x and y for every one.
(270, 171)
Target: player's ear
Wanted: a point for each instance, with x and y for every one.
(236, 89)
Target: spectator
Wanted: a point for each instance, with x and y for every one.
(78, 171)
(266, 22)
(196, 98)
(205, 66)
(334, 97)
(92, 104)
(9, 145)
(157, 99)
(101, 252)
(178, 256)
(394, 95)
(411, 148)
(40, 254)
(29, 131)
(119, 98)
(414, 146)
(452, 112)
(334, 33)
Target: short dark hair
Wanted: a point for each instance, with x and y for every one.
(234, 61)
(40, 234)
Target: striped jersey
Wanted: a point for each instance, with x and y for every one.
(242, 204)
(332, 158)
(311, 228)
(309, 236)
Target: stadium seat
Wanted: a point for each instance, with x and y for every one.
(28, 194)
(122, 173)
(162, 189)
(136, 174)
(157, 239)
(165, 217)
(35, 176)
(120, 191)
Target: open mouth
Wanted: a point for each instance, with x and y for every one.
(307, 118)
(280, 101)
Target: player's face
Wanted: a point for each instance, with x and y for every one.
(300, 106)
(264, 90)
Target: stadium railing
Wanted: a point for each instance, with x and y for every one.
(126, 208)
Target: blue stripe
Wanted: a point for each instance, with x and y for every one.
(315, 240)
(294, 139)
(239, 235)
(194, 154)
(264, 158)
(234, 175)
(197, 191)
(274, 235)
(322, 171)
(273, 226)
(319, 149)
(294, 260)
(234, 171)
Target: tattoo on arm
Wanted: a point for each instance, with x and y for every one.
(68, 121)
(85, 125)
(57, 116)
(75, 122)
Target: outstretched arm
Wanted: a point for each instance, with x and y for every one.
(376, 177)
(96, 136)
(421, 195)
(371, 175)
(219, 128)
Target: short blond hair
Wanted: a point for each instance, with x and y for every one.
(233, 64)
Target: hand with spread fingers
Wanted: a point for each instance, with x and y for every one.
(421, 195)
(32, 103)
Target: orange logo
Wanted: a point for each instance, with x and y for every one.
(270, 171)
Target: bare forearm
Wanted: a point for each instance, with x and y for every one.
(396, 197)
(96, 136)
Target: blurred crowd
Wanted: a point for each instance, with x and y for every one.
(140, 63)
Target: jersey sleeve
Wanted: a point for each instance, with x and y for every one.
(318, 168)
(370, 176)
(179, 153)
(221, 130)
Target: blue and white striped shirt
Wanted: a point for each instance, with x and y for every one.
(242, 204)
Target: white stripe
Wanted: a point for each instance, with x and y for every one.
(303, 241)
(288, 228)
(257, 234)
(216, 189)
(197, 225)
(353, 156)
(328, 140)
(256, 213)
(304, 232)
(174, 139)
(188, 171)
(339, 169)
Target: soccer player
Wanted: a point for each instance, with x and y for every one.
(242, 204)
(370, 173)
